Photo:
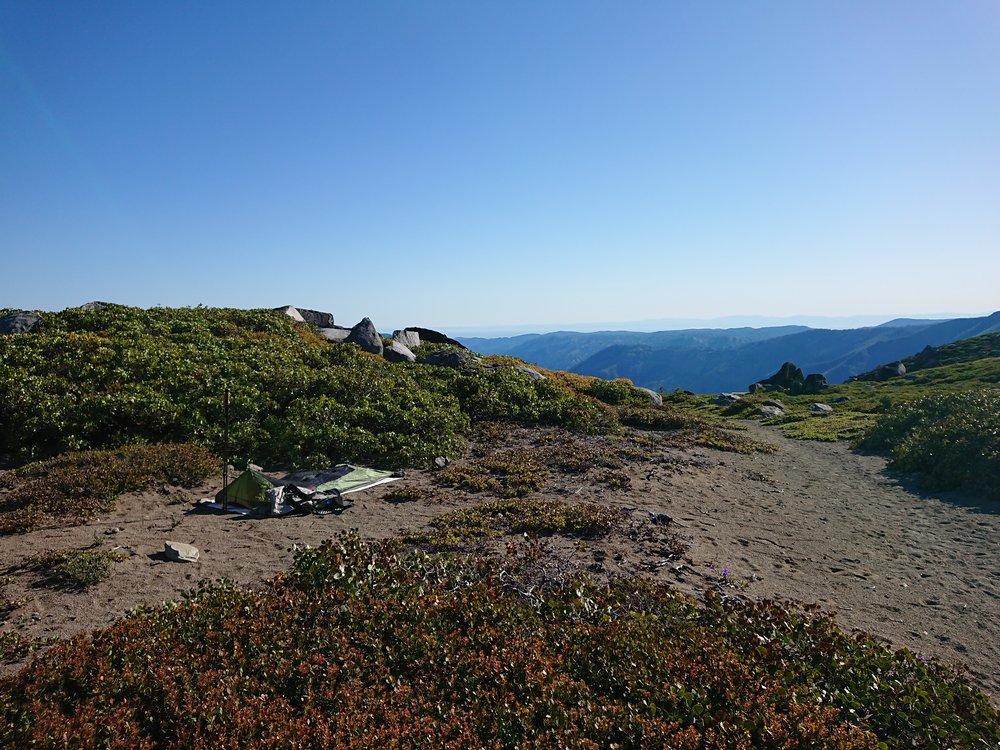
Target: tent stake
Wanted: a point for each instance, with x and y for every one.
(225, 451)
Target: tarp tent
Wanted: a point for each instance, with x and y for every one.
(249, 489)
(344, 478)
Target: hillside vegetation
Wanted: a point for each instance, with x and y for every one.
(100, 380)
(418, 641)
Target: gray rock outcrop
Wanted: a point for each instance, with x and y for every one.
(789, 379)
(726, 399)
(430, 336)
(769, 411)
(820, 408)
(450, 358)
(397, 352)
(533, 374)
(22, 321)
(313, 317)
(407, 337)
(366, 336)
(893, 370)
(335, 335)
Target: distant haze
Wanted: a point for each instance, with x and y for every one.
(680, 324)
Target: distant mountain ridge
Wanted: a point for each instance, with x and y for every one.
(712, 360)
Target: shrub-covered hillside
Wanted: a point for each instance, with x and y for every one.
(117, 375)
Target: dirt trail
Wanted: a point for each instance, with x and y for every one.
(819, 523)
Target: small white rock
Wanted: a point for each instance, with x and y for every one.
(180, 552)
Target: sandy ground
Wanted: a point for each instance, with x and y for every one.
(814, 522)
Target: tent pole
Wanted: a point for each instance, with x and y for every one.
(225, 450)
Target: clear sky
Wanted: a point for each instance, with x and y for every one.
(461, 164)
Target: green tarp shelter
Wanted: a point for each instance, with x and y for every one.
(342, 477)
(249, 489)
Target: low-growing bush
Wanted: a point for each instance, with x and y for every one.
(502, 517)
(952, 441)
(360, 647)
(618, 392)
(78, 486)
(513, 472)
(73, 569)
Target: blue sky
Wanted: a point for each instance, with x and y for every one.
(464, 164)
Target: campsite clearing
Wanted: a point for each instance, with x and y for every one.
(814, 522)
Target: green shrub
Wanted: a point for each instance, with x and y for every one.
(74, 569)
(618, 392)
(499, 518)
(952, 441)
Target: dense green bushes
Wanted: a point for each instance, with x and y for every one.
(951, 440)
(361, 648)
(118, 375)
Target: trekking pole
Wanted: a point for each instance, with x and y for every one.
(225, 450)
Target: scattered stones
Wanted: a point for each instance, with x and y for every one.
(774, 402)
(364, 335)
(22, 321)
(840, 399)
(397, 352)
(441, 461)
(820, 408)
(180, 552)
(662, 519)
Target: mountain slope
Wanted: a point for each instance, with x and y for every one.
(836, 354)
(563, 350)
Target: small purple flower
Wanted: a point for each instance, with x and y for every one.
(922, 658)
(725, 572)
